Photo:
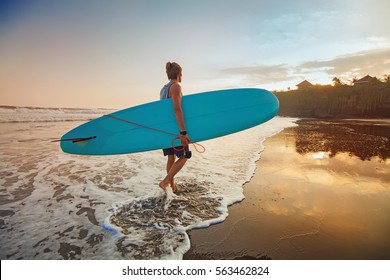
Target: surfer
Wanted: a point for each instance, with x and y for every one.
(173, 90)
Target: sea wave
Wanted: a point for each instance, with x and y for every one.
(12, 114)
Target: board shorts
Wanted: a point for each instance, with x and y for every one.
(171, 151)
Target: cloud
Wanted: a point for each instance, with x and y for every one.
(374, 62)
(261, 73)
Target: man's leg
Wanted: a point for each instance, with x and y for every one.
(170, 162)
(176, 167)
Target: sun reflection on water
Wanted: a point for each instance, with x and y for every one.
(319, 155)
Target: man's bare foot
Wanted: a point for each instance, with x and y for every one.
(163, 186)
(174, 187)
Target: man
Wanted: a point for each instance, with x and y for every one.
(173, 90)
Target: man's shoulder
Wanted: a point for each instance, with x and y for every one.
(176, 85)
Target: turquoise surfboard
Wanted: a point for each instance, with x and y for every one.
(152, 125)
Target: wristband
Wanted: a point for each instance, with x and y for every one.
(183, 132)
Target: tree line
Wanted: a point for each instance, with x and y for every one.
(340, 100)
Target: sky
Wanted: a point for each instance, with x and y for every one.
(112, 54)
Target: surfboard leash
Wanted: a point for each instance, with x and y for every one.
(175, 136)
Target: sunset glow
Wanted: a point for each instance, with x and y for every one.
(112, 54)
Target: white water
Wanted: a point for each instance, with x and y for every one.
(54, 205)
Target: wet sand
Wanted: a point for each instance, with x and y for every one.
(321, 190)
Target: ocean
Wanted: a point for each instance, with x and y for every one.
(60, 206)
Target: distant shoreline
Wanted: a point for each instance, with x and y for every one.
(352, 118)
(292, 115)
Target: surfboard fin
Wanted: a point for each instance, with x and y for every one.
(76, 140)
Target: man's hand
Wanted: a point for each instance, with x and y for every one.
(184, 140)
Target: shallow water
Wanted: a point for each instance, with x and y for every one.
(60, 206)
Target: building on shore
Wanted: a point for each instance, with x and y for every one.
(365, 80)
(304, 85)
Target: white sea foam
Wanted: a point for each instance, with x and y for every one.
(54, 205)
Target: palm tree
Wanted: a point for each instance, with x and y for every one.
(336, 81)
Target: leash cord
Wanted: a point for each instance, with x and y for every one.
(175, 136)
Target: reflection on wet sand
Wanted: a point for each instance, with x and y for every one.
(363, 140)
(320, 191)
